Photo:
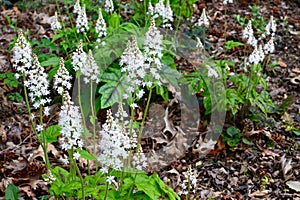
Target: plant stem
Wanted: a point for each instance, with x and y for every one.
(44, 141)
(144, 118)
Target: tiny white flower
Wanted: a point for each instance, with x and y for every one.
(65, 161)
(134, 105)
(110, 179)
(39, 128)
(140, 94)
(32, 116)
(76, 155)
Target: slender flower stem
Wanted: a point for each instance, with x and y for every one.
(94, 121)
(144, 119)
(81, 108)
(29, 110)
(44, 140)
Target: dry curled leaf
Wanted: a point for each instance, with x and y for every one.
(281, 63)
(295, 185)
(285, 166)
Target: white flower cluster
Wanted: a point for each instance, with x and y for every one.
(271, 27)
(71, 126)
(203, 20)
(86, 64)
(109, 6)
(227, 1)
(259, 51)
(100, 27)
(115, 143)
(90, 70)
(37, 84)
(257, 55)
(248, 34)
(22, 55)
(153, 51)
(139, 160)
(163, 11)
(79, 58)
(77, 8)
(133, 63)
(269, 47)
(82, 21)
(150, 9)
(62, 78)
(189, 181)
(55, 25)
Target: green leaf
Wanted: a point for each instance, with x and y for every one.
(12, 192)
(111, 93)
(128, 183)
(230, 44)
(296, 133)
(246, 141)
(53, 61)
(113, 90)
(85, 154)
(114, 20)
(232, 131)
(148, 186)
(57, 36)
(52, 72)
(165, 188)
(51, 133)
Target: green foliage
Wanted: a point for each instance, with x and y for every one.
(232, 136)
(15, 96)
(9, 79)
(51, 133)
(182, 9)
(149, 187)
(113, 89)
(230, 44)
(12, 192)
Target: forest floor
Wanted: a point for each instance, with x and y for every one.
(256, 170)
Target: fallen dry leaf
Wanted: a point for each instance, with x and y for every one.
(281, 63)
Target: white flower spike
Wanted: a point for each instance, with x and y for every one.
(203, 20)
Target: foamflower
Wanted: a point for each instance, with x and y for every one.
(22, 55)
(37, 84)
(62, 78)
(55, 25)
(82, 21)
(71, 125)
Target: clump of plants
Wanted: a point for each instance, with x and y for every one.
(103, 61)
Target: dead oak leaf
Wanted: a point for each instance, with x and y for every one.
(286, 166)
(281, 63)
